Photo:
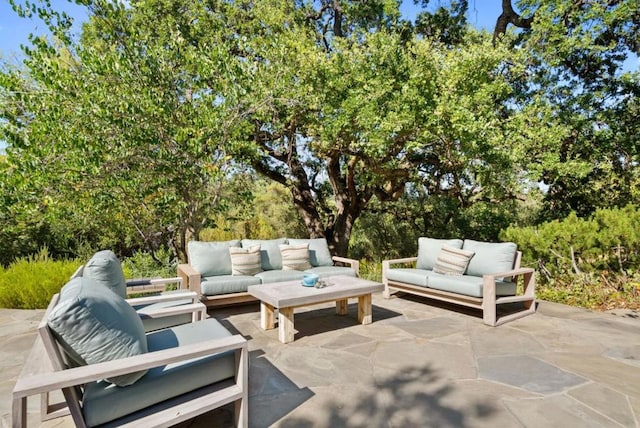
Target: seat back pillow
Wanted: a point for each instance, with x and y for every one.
(319, 254)
(295, 257)
(269, 251)
(105, 269)
(211, 258)
(245, 261)
(429, 249)
(452, 261)
(490, 257)
(93, 326)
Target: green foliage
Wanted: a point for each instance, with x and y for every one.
(30, 282)
(145, 265)
(592, 262)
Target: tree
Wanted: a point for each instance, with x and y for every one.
(581, 72)
(120, 123)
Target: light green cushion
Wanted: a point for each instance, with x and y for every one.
(319, 254)
(105, 269)
(429, 248)
(269, 276)
(269, 251)
(211, 258)
(459, 284)
(325, 271)
(93, 325)
(224, 284)
(103, 403)
(490, 257)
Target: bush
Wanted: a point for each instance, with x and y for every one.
(30, 282)
(591, 262)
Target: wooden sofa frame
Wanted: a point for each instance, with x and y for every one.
(193, 279)
(489, 301)
(44, 371)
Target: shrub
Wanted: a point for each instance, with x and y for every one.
(30, 282)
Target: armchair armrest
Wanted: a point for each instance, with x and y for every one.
(354, 264)
(32, 385)
(509, 273)
(190, 277)
(181, 295)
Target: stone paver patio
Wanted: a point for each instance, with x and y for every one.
(417, 365)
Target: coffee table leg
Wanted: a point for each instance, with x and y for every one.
(285, 325)
(364, 309)
(267, 316)
(342, 307)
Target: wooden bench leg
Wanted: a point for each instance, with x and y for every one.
(285, 325)
(267, 316)
(364, 309)
(342, 307)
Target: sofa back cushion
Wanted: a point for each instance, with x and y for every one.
(93, 325)
(490, 257)
(211, 258)
(269, 251)
(319, 254)
(105, 269)
(429, 249)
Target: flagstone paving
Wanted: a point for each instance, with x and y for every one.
(416, 365)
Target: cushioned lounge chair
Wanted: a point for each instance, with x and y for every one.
(112, 373)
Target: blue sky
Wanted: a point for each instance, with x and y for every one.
(15, 30)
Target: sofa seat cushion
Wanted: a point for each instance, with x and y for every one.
(269, 251)
(270, 276)
(467, 285)
(224, 284)
(325, 271)
(463, 284)
(490, 257)
(409, 276)
(211, 258)
(103, 402)
(151, 324)
(429, 249)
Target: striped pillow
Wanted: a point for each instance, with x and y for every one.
(452, 261)
(245, 261)
(295, 257)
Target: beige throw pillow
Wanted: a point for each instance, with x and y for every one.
(245, 261)
(452, 261)
(295, 257)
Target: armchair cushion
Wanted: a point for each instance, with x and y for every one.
(102, 402)
(105, 269)
(226, 284)
(324, 271)
(269, 251)
(429, 249)
(211, 258)
(319, 254)
(84, 324)
(490, 257)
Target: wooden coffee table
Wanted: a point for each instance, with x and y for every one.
(286, 296)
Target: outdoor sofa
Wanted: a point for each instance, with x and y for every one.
(481, 275)
(220, 272)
